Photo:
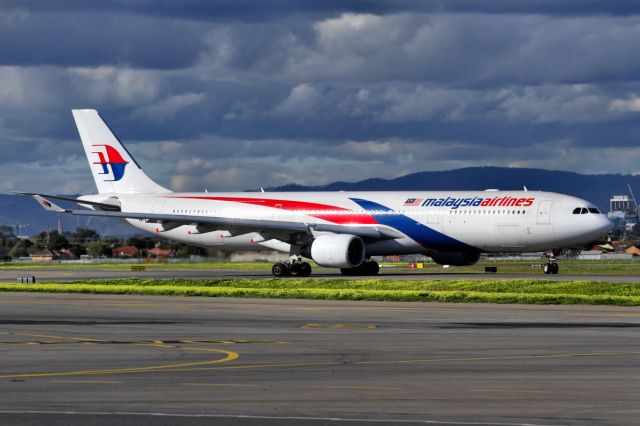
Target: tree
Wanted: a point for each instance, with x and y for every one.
(185, 250)
(112, 241)
(6, 230)
(99, 249)
(20, 248)
(52, 240)
(141, 242)
(78, 250)
(83, 236)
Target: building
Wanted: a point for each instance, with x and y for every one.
(622, 203)
(158, 252)
(623, 212)
(47, 255)
(43, 256)
(126, 251)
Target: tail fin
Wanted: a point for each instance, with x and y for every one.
(112, 166)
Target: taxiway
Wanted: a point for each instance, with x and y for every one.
(97, 359)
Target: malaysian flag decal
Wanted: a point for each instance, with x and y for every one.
(413, 201)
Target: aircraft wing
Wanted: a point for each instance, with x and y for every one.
(246, 225)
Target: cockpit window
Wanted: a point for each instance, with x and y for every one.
(576, 210)
(584, 211)
(594, 210)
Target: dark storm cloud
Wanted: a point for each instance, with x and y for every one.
(238, 94)
(89, 39)
(260, 10)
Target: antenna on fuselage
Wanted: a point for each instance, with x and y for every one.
(261, 189)
(525, 188)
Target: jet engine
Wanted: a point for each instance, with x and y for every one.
(457, 258)
(338, 251)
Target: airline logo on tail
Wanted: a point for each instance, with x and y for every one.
(109, 156)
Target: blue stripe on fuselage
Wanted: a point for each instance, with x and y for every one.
(422, 234)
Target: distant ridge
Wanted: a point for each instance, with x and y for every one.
(596, 188)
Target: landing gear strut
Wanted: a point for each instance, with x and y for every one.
(368, 267)
(551, 267)
(294, 268)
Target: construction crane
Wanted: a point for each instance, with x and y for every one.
(633, 197)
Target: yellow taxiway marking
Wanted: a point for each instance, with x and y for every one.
(511, 391)
(46, 336)
(415, 361)
(100, 382)
(230, 356)
(236, 385)
(340, 326)
(363, 387)
(59, 340)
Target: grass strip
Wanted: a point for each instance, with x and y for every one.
(493, 291)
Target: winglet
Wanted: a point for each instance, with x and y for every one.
(48, 205)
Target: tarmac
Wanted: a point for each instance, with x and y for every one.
(71, 359)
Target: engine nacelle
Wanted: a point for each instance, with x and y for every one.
(338, 251)
(457, 258)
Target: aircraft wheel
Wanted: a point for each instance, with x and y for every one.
(295, 269)
(546, 268)
(348, 271)
(279, 270)
(555, 268)
(372, 267)
(305, 269)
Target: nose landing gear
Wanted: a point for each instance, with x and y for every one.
(551, 267)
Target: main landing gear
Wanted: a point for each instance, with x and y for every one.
(368, 267)
(551, 267)
(293, 268)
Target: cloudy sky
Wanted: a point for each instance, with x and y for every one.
(235, 94)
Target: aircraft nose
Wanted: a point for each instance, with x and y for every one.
(604, 224)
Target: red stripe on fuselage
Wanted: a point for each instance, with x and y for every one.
(326, 212)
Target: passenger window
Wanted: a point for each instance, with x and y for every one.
(584, 211)
(576, 210)
(594, 210)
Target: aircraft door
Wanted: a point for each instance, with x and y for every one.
(544, 212)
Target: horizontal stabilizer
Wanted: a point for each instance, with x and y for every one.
(101, 206)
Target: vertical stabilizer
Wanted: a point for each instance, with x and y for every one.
(112, 167)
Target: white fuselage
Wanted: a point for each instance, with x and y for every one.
(489, 221)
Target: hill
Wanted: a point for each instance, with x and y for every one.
(596, 188)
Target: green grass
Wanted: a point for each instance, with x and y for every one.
(487, 291)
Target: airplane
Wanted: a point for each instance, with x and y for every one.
(334, 229)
